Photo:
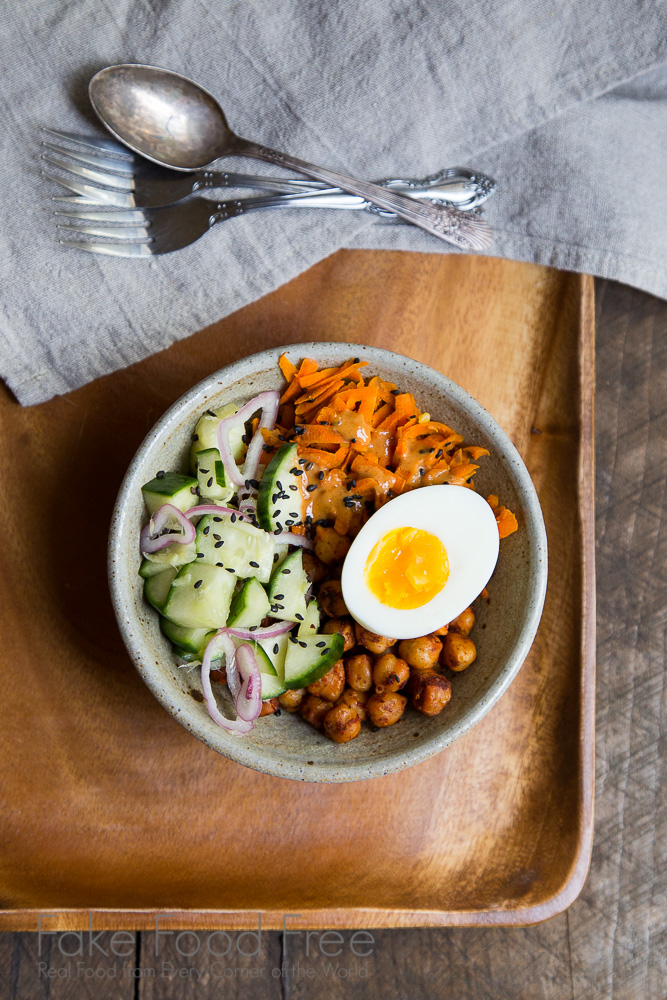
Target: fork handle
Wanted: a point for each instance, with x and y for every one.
(447, 223)
(218, 179)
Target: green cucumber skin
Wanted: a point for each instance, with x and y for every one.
(211, 477)
(173, 488)
(320, 668)
(277, 470)
(206, 435)
(311, 621)
(191, 640)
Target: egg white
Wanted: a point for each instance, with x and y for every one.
(466, 526)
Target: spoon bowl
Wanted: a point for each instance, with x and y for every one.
(161, 115)
(174, 122)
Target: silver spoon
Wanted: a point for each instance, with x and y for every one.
(174, 122)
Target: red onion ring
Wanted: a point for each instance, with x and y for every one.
(237, 727)
(294, 539)
(249, 699)
(152, 540)
(268, 403)
(270, 632)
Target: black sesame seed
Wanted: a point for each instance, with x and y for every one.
(275, 554)
(203, 471)
(195, 437)
(198, 584)
(216, 518)
(279, 597)
(200, 555)
(218, 545)
(302, 461)
(222, 565)
(439, 453)
(233, 518)
(244, 438)
(293, 513)
(421, 472)
(254, 483)
(320, 476)
(206, 529)
(255, 565)
(286, 571)
(277, 713)
(210, 482)
(289, 522)
(395, 392)
(229, 569)
(299, 617)
(277, 531)
(217, 537)
(279, 607)
(304, 645)
(320, 644)
(322, 651)
(276, 648)
(160, 475)
(309, 466)
(279, 485)
(267, 447)
(293, 487)
(309, 489)
(281, 437)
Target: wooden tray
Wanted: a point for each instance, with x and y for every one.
(110, 805)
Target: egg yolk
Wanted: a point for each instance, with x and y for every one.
(407, 568)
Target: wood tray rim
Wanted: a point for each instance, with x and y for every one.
(27, 919)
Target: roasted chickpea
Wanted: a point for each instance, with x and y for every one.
(330, 547)
(291, 700)
(429, 692)
(356, 700)
(384, 708)
(458, 652)
(313, 568)
(314, 709)
(422, 653)
(390, 673)
(331, 599)
(342, 626)
(331, 685)
(464, 623)
(342, 723)
(375, 643)
(359, 671)
(441, 631)
(269, 707)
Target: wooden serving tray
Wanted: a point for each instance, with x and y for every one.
(109, 805)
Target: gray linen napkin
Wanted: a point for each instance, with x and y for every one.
(564, 103)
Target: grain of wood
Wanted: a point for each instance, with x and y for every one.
(612, 942)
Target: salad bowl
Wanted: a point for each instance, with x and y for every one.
(506, 624)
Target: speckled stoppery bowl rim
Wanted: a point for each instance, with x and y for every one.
(505, 627)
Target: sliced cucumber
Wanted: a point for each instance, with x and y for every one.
(280, 500)
(311, 621)
(156, 588)
(171, 487)
(190, 640)
(263, 661)
(174, 555)
(200, 596)
(274, 652)
(287, 589)
(309, 659)
(236, 544)
(250, 605)
(211, 477)
(206, 434)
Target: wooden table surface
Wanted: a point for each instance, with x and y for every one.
(613, 941)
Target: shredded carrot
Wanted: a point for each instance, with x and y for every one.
(286, 367)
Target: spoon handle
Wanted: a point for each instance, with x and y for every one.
(463, 230)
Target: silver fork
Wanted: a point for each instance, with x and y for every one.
(131, 182)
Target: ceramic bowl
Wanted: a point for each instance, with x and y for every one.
(505, 628)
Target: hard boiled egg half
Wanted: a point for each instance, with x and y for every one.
(420, 561)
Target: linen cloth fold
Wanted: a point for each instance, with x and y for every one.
(564, 102)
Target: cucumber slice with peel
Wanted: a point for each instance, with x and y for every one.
(239, 545)
(200, 596)
(157, 587)
(280, 497)
(211, 477)
(287, 589)
(170, 487)
(189, 640)
(174, 555)
(206, 434)
(249, 605)
(311, 621)
(309, 659)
